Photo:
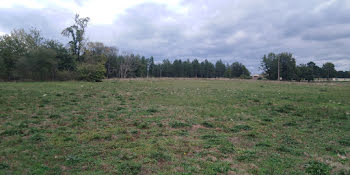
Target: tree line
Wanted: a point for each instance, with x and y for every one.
(26, 55)
(290, 71)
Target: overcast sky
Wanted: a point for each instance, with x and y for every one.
(231, 30)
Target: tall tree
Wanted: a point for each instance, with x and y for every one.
(65, 61)
(220, 68)
(304, 72)
(287, 66)
(269, 65)
(316, 71)
(16, 45)
(238, 70)
(77, 32)
(150, 67)
(196, 67)
(328, 70)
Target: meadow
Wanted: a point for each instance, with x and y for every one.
(174, 126)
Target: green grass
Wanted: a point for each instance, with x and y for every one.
(174, 126)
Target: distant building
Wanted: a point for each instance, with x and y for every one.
(257, 77)
(332, 79)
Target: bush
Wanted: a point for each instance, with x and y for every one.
(245, 77)
(91, 72)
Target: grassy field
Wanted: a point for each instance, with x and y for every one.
(174, 126)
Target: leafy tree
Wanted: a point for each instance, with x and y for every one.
(328, 70)
(269, 65)
(65, 61)
(39, 64)
(316, 71)
(304, 72)
(287, 66)
(238, 70)
(16, 45)
(77, 32)
(343, 74)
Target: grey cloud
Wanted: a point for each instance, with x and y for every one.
(229, 30)
(49, 21)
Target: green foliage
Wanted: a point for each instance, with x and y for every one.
(238, 70)
(91, 72)
(317, 168)
(328, 70)
(177, 124)
(269, 65)
(129, 167)
(159, 156)
(77, 32)
(345, 141)
(247, 155)
(208, 124)
(239, 128)
(66, 75)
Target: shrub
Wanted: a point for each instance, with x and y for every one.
(66, 75)
(245, 77)
(91, 72)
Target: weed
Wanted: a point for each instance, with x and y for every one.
(239, 128)
(247, 155)
(317, 168)
(208, 124)
(152, 110)
(159, 156)
(3, 166)
(54, 116)
(129, 167)
(177, 124)
(143, 125)
(345, 142)
(72, 159)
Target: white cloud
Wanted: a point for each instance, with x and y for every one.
(236, 37)
(324, 5)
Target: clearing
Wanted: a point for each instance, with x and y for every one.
(174, 126)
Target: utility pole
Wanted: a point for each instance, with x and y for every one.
(278, 69)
